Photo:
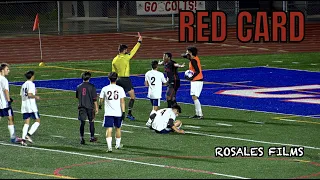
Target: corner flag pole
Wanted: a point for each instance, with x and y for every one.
(40, 42)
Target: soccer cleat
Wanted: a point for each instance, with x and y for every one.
(93, 139)
(200, 117)
(194, 117)
(82, 141)
(109, 150)
(16, 140)
(28, 138)
(129, 116)
(23, 142)
(119, 147)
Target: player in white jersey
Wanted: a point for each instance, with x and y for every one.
(164, 120)
(29, 107)
(114, 109)
(154, 80)
(5, 102)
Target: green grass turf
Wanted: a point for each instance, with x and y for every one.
(167, 156)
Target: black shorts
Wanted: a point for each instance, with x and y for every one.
(85, 113)
(172, 88)
(125, 83)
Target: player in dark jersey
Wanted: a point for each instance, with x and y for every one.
(171, 71)
(88, 105)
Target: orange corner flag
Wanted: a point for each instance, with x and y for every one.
(36, 23)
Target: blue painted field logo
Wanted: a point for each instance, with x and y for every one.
(301, 94)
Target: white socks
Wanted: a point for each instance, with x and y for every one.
(109, 142)
(25, 131)
(34, 127)
(198, 107)
(11, 131)
(118, 140)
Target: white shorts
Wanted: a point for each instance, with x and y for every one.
(196, 88)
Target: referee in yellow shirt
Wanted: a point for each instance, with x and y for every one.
(121, 65)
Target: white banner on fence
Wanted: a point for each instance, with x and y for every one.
(167, 7)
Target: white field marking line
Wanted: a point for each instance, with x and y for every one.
(223, 124)
(256, 122)
(293, 69)
(90, 133)
(278, 61)
(264, 49)
(313, 64)
(290, 120)
(239, 82)
(196, 133)
(295, 62)
(196, 127)
(126, 131)
(57, 136)
(316, 115)
(282, 50)
(116, 159)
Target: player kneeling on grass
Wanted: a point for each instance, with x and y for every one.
(29, 107)
(164, 120)
(114, 109)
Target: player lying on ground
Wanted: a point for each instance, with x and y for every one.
(164, 120)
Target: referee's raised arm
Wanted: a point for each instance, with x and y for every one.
(135, 48)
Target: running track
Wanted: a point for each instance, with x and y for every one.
(104, 46)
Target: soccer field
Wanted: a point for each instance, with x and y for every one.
(228, 121)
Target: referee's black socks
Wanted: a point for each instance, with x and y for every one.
(170, 103)
(131, 102)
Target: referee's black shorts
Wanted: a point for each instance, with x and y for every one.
(125, 83)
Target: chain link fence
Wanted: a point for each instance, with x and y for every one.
(76, 17)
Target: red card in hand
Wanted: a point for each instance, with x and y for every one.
(139, 34)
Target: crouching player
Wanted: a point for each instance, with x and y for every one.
(164, 120)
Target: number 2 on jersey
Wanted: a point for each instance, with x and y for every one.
(153, 79)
